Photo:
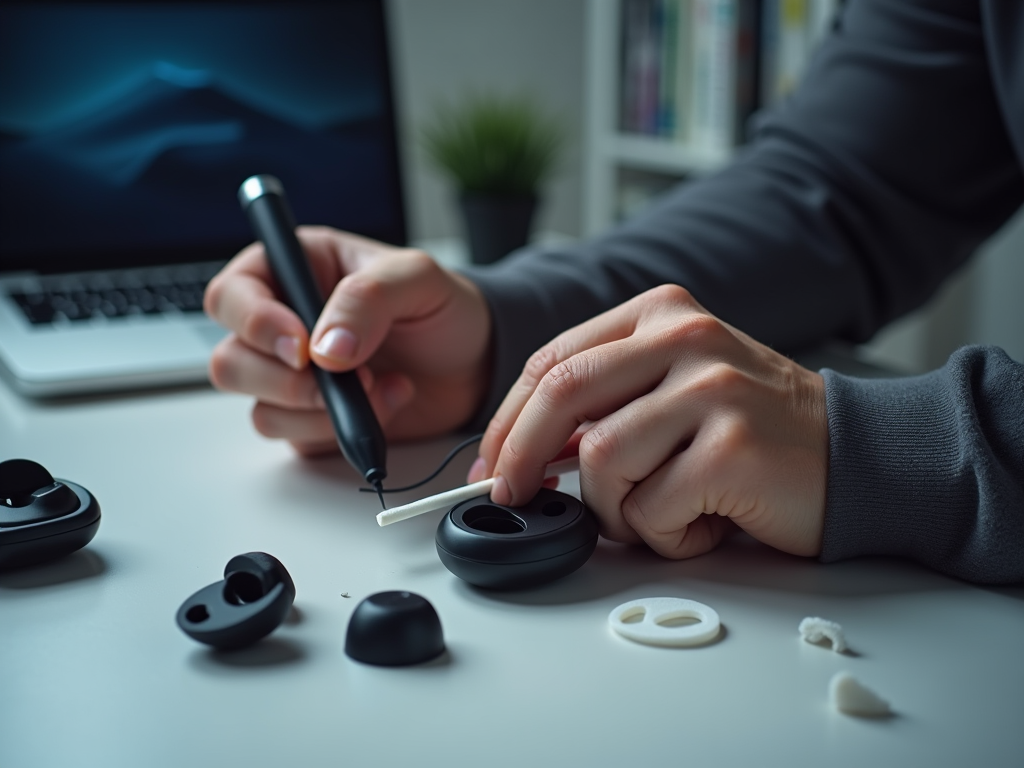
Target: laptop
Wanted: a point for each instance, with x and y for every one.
(126, 129)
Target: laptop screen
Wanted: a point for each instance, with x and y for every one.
(127, 128)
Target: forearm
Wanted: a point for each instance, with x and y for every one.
(856, 199)
(930, 467)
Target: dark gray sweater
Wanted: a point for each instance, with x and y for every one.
(901, 152)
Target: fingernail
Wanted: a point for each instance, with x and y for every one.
(477, 471)
(338, 344)
(500, 494)
(287, 350)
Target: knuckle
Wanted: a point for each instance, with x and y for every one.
(610, 523)
(494, 431)
(695, 329)
(540, 363)
(722, 381)
(565, 381)
(632, 512)
(362, 287)
(671, 295)
(222, 366)
(420, 262)
(258, 323)
(729, 379)
(734, 437)
(212, 296)
(599, 448)
(263, 421)
(512, 454)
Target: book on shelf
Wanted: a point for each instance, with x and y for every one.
(791, 30)
(694, 71)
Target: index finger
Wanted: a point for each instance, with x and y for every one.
(583, 374)
(599, 330)
(243, 297)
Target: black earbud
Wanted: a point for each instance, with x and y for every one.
(252, 600)
(42, 518)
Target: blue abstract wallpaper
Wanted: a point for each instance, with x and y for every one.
(127, 125)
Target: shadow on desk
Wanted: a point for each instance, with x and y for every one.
(1016, 591)
(83, 564)
(742, 562)
(268, 652)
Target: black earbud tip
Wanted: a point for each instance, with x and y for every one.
(266, 569)
(19, 477)
(394, 629)
(251, 602)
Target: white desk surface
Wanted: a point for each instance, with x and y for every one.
(94, 671)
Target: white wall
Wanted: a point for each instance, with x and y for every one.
(984, 304)
(998, 316)
(445, 49)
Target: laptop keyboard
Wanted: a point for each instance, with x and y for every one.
(114, 294)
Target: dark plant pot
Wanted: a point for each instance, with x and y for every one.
(496, 224)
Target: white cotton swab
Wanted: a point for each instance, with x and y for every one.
(465, 493)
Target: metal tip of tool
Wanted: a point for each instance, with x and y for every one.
(379, 487)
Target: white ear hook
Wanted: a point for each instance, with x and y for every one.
(651, 617)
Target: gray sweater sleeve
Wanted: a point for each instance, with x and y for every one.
(930, 467)
(857, 197)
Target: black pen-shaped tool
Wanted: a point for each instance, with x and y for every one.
(358, 431)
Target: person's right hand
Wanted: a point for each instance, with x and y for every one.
(417, 334)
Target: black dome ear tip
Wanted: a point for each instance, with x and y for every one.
(19, 477)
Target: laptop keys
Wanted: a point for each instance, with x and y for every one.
(48, 306)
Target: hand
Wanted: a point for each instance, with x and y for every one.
(417, 334)
(683, 424)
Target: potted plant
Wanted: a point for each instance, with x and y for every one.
(497, 151)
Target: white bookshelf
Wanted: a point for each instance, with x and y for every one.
(979, 306)
(614, 160)
(608, 151)
(664, 155)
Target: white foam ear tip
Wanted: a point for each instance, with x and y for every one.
(651, 620)
(851, 696)
(814, 629)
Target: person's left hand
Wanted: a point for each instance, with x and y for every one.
(683, 424)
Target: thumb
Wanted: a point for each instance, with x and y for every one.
(401, 286)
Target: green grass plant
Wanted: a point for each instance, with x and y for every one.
(498, 145)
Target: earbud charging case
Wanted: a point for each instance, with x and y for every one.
(39, 537)
(498, 547)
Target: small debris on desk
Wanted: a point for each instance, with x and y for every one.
(814, 630)
(345, 594)
(850, 696)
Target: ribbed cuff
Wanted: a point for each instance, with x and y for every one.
(897, 480)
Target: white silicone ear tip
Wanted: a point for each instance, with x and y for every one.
(851, 696)
(652, 617)
(814, 629)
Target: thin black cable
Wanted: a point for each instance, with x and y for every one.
(447, 459)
